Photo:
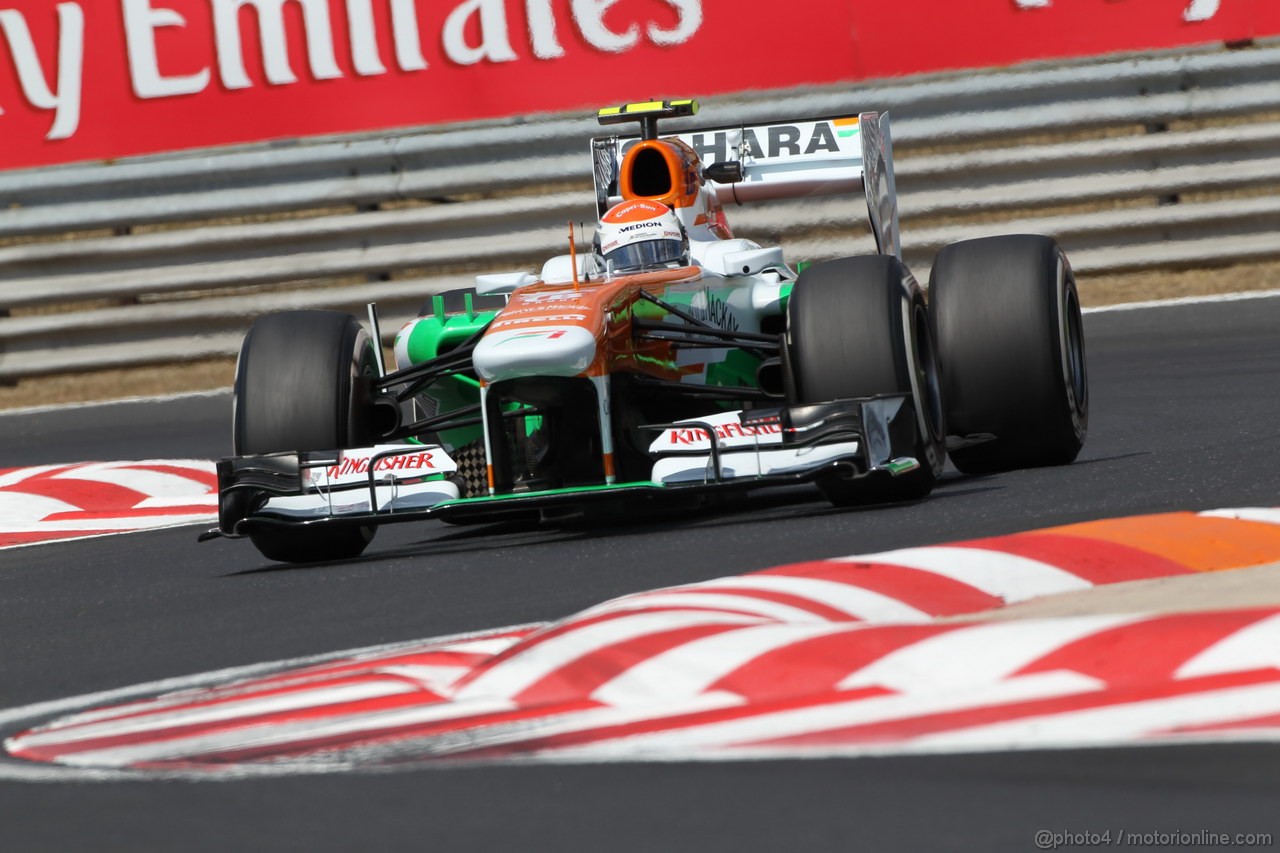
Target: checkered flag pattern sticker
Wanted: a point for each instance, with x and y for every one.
(472, 477)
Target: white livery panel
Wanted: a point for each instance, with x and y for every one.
(745, 450)
(405, 478)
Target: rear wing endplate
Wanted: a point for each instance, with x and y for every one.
(798, 159)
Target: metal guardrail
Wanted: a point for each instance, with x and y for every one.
(1097, 154)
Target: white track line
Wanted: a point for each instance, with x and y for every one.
(123, 401)
(1241, 296)
(124, 524)
(168, 524)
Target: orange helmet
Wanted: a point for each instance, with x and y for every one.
(638, 235)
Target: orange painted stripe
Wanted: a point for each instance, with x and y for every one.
(489, 471)
(1203, 544)
(608, 465)
(1095, 560)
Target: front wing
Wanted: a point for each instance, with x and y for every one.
(728, 452)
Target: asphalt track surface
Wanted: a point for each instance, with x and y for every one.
(1185, 408)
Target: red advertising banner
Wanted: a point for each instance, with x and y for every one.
(100, 79)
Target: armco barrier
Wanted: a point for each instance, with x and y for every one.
(1100, 154)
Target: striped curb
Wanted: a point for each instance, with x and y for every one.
(837, 656)
(55, 502)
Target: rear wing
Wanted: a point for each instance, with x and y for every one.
(797, 159)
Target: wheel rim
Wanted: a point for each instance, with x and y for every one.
(364, 366)
(1071, 338)
(926, 382)
(1075, 348)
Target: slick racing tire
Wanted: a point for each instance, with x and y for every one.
(859, 327)
(1011, 341)
(299, 387)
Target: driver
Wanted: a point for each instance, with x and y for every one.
(638, 236)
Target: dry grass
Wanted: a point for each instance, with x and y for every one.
(964, 146)
(1258, 191)
(995, 217)
(251, 219)
(1177, 284)
(118, 384)
(64, 307)
(56, 238)
(1265, 117)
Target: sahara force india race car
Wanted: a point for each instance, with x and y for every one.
(673, 362)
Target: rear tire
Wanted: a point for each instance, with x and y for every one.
(859, 327)
(299, 387)
(1011, 339)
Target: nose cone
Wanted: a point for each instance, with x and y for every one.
(545, 351)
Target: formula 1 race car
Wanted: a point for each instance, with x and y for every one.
(672, 362)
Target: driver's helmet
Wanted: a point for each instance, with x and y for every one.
(640, 235)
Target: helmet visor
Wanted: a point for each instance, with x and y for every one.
(650, 254)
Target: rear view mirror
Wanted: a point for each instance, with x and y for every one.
(728, 172)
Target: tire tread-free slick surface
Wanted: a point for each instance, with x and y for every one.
(847, 323)
(1011, 341)
(297, 389)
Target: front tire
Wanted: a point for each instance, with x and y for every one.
(301, 385)
(859, 327)
(1011, 339)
